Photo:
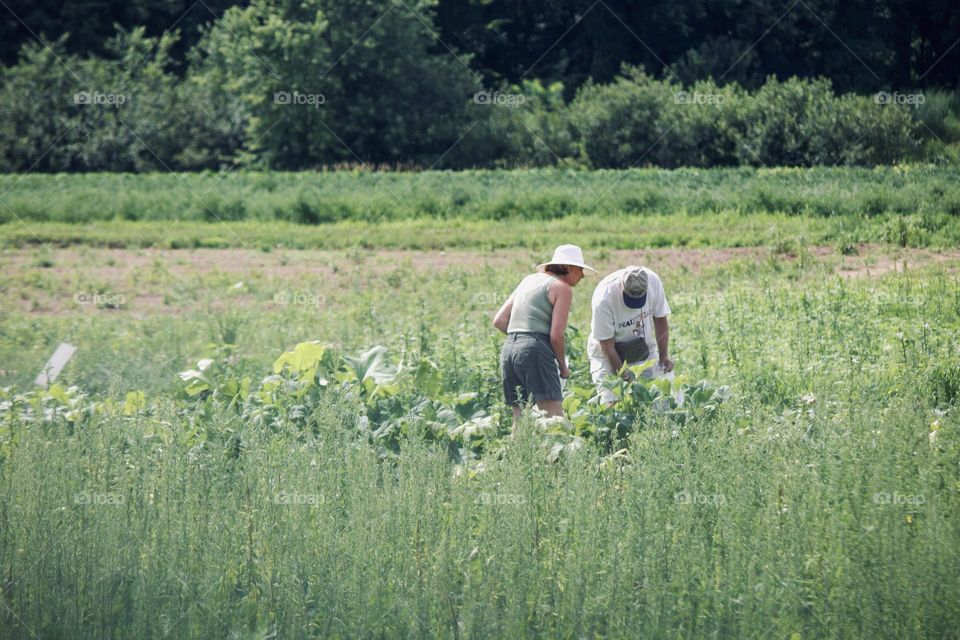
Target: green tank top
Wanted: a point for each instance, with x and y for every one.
(532, 310)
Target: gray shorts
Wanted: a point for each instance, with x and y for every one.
(529, 368)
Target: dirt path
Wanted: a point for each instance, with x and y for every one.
(82, 279)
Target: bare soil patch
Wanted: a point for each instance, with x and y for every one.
(169, 281)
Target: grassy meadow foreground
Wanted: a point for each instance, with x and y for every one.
(150, 495)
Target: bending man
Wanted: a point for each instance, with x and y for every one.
(629, 326)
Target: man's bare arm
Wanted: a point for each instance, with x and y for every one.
(610, 352)
(662, 327)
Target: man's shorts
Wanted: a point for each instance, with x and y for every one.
(529, 368)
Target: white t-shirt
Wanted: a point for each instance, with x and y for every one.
(614, 319)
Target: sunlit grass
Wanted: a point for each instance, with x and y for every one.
(815, 504)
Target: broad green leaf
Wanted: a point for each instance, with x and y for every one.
(427, 378)
(583, 391)
(557, 425)
(380, 390)
(638, 369)
(475, 428)
(564, 449)
(304, 360)
(641, 393)
(662, 384)
(196, 380)
(231, 386)
(467, 404)
(447, 417)
(135, 401)
(662, 404)
(372, 364)
(58, 393)
(571, 404)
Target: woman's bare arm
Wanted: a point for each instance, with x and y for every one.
(562, 295)
(501, 319)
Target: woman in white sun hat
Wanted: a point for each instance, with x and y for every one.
(534, 318)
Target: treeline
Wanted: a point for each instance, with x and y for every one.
(860, 45)
(314, 83)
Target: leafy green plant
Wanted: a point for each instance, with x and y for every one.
(398, 403)
(205, 381)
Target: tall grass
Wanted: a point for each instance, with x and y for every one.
(816, 504)
(784, 530)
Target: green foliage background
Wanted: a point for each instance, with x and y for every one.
(386, 87)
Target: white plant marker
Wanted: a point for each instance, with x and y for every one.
(55, 365)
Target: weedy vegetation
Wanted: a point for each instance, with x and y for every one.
(316, 446)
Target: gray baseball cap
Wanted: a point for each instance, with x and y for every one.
(634, 281)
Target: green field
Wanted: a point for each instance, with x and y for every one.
(908, 205)
(807, 485)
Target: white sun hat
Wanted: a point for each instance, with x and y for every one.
(569, 254)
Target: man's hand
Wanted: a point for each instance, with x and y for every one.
(628, 375)
(666, 364)
(564, 371)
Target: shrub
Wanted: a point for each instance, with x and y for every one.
(619, 125)
(939, 115)
(640, 120)
(126, 112)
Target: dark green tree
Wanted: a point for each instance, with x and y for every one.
(326, 81)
